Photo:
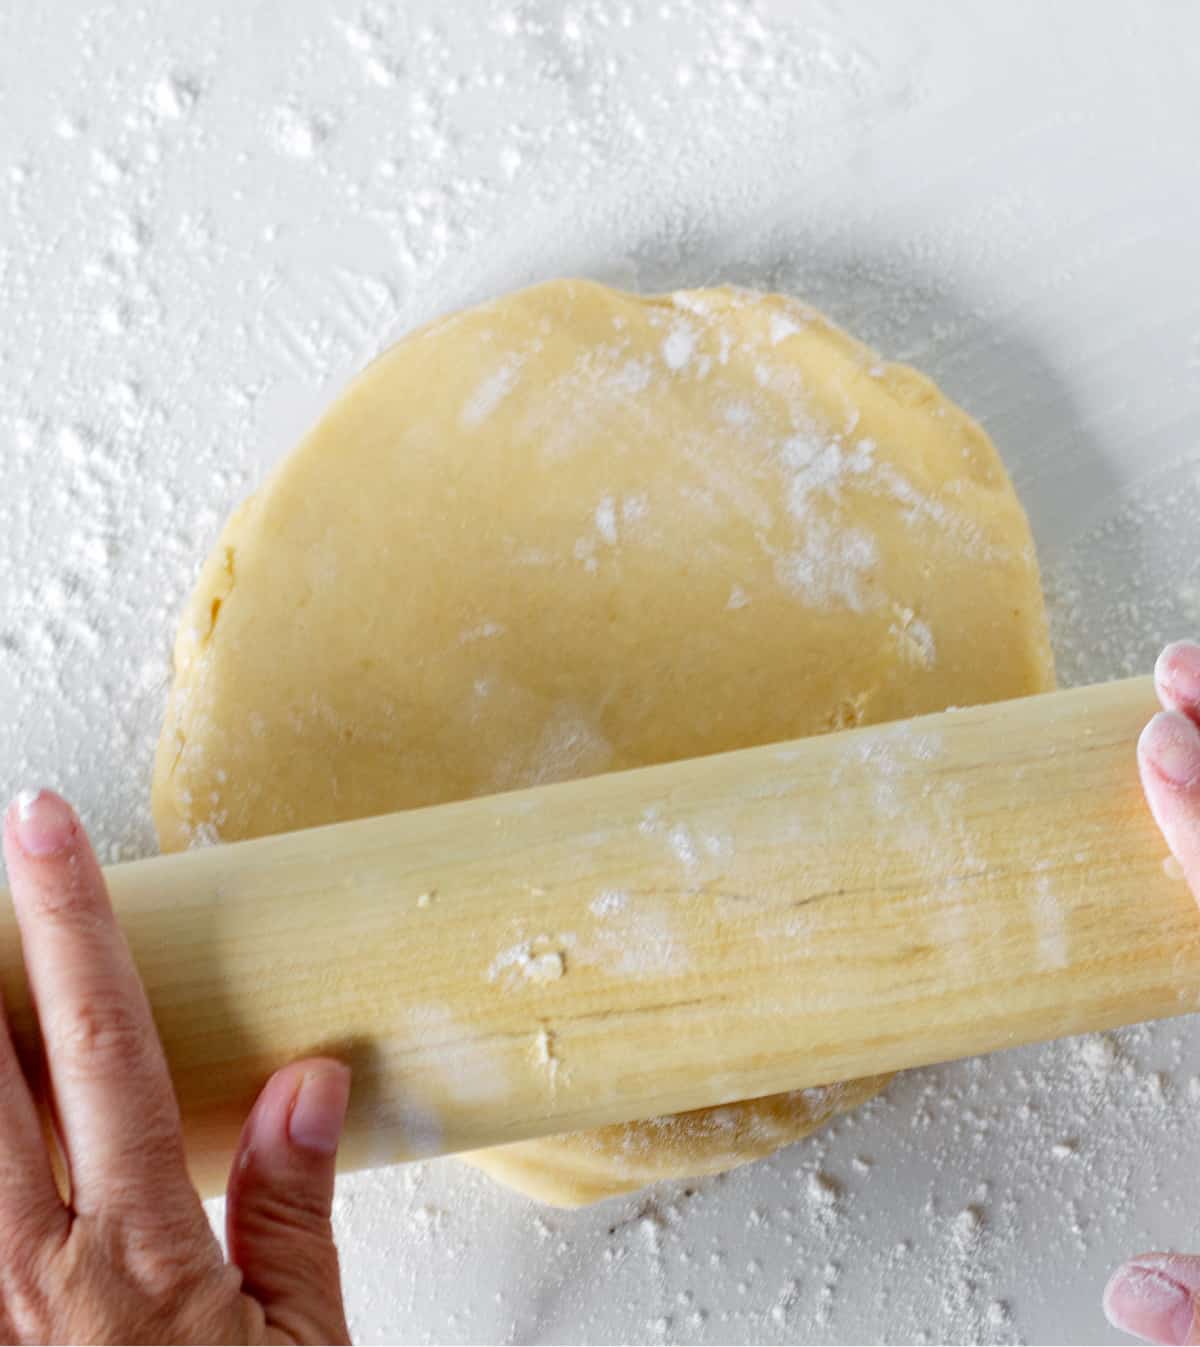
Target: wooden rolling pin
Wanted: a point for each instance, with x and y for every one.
(684, 935)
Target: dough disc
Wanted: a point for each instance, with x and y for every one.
(574, 531)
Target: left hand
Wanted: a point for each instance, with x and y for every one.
(128, 1255)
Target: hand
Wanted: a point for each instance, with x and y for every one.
(129, 1256)
(1157, 1295)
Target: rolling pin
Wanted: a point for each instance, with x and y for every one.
(684, 935)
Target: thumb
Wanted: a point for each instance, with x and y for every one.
(280, 1193)
(1153, 1296)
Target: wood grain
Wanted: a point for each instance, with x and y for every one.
(674, 937)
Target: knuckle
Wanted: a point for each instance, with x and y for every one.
(69, 901)
(168, 1260)
(101, 1030)
(157, 1155)
(26, 1312)
(301, 1218)
(27, 1315)
(22, 1273)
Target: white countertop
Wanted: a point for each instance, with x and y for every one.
(211, 214)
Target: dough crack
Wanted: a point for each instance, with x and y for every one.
(218, 600)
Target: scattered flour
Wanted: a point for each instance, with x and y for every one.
(678, 347)
(296, 134)
(483, 631)
(610, 901)
(202, 248)
(173, 96)
(831, 566)
(606, 521)
(545, 1054)
(490, 393)
(683, 844)
(1053, 937)
(781, 327)
(538, 960)
(644, 944)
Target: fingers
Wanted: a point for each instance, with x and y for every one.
(30, 1207)
(113, 1098)
(1169, 761)
(1154, 1296)
(280, 1196)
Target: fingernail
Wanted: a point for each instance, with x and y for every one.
(319, 1109)
(43, 822)
(1146, 1302)
(1171, 744)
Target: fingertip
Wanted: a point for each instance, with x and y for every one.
(319, 1106)
(1169, 747)
(1169, 764)
(268, 1117)
(1152, 1297)
(1177, 678)
(41, 824)
(301, 1108)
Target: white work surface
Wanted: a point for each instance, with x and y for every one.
(212, 213)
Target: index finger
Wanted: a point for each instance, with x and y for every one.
(1169, 759)
(112, 1093)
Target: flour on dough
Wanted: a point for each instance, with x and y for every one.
(574, 531)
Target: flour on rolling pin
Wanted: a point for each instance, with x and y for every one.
(912, 815)
(632, 935)
(460, 1071)
(893, 772)
(895, 780)
(536, 960)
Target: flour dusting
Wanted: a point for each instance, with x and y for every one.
(678, 347)
(537, 960)
(490, 393)
(208, 224)
(831, 566)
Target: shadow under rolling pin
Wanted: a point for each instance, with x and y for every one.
(674, 937)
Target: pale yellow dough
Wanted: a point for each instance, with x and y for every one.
(575, 531)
